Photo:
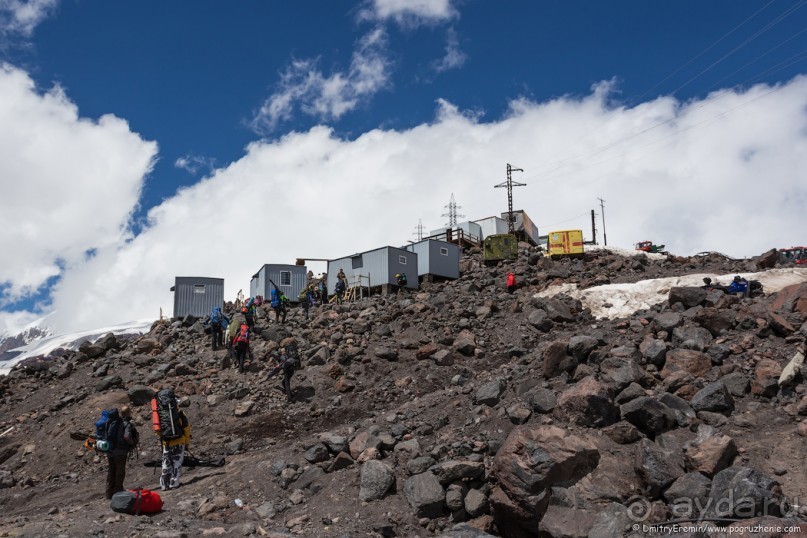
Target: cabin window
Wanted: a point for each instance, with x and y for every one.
(443, 251)
(285, 278)
(198, 288)
(356, 262)
(402, 260)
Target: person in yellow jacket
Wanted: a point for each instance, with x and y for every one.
(174, 455)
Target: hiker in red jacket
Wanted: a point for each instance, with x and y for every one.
(511, 283)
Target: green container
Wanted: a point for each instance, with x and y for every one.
(500, 247)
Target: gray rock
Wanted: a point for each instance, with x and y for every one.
(688, 489)
(452, 471)
(581, 346)
(540, 320)
(419, 465)
(656, 466)
(541, 400)
(692, 337)
(714, 397)
(335, 443)
(454, 497)
(689, 297)
(654, 351)
(425, 495)
(557, 310)
(667, 321)
(737, 384)
(489, 393)
(109, 382)
(649, 415)
(317, 453)
(376, 480)
(266, 510)
(476, 503)
(631, 392)
(751, 490)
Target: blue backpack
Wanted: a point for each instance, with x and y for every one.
(106, 430)
(275, 299)
(216, 317)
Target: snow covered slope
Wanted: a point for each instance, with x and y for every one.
(621, 300)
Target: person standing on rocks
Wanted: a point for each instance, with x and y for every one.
(239, 318)
(511, 282)
(218, 324)
(322, 289)
(125, 439)
(278, 304)
(241, 346)
(174, 452)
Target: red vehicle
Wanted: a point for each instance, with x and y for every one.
(648, 246)
(797, 255)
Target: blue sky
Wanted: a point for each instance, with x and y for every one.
(182, 104)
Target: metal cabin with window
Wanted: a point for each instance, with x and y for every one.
(375, 268)
(196, 296)
(290, 279)
(437, 258)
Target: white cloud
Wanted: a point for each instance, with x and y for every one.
(328, 97)
(723, 173)
(409, 13)
(193, 164)
(69, 184)
(22, 16)
(454, 57)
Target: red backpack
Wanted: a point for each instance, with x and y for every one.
(242, 335)
(137, 501)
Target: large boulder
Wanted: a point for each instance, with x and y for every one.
(767, 260)
(656, 466)
(790, 299)
(555, 360)
(649, 415)
(744, 493)
(376, 480)
(687, 296)
(140, 395)
(490, 392)
(580, 346)
(589, 403)
(530, 462)
(716, 320)
(711, 455)
(713, 397)
(425, 495)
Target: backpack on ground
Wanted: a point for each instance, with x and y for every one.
(242, 335)
(136, 502)
(292, 356)
(107, 430)
(165, 416)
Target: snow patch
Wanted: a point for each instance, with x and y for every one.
(614, 301)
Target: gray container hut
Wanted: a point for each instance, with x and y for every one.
(524, 227)
(492, 226)
(196, 296)
(375, 268)
(437, 258)
(290, 279)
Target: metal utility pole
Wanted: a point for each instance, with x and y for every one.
(602, 208)
(510, 184)
(593, 228)
(452, 212)
(419, 230)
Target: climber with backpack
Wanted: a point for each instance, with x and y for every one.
(277, 303)
(174, 431)
(511, 282)
(241, 346)
(288, 362)
(218, 324)
(305, 299)
(339, 290)
(117, 437)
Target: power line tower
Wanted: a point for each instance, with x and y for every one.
(510, 184)
(419, 230)
(452, 212)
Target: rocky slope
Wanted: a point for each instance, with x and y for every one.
(459, 410)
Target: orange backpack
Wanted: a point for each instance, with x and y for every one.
(243, 335)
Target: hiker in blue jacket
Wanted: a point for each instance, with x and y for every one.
(218, 324)
(123, 439)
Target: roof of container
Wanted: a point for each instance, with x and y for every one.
(368, 251)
